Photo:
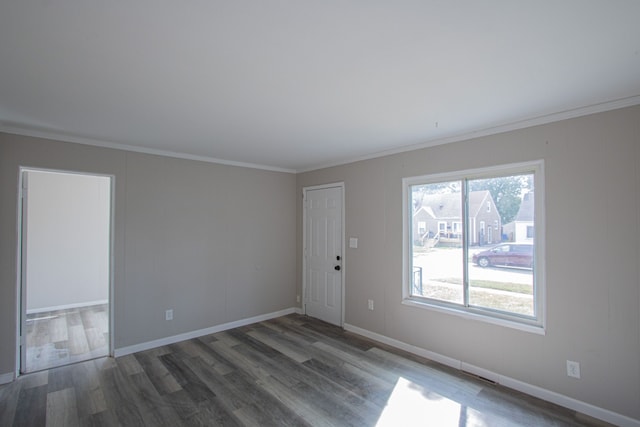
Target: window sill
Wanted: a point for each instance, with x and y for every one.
(470, 315)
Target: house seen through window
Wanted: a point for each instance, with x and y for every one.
(467, 257)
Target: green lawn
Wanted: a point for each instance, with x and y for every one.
(483, 294)
(519, 288)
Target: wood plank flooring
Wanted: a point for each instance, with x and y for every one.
(61, 337)
(290, 371)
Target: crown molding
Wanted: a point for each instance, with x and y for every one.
(33, 131)
(493, 130)
(26, 130)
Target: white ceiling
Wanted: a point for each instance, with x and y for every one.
(294, 85)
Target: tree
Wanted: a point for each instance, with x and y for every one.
(506, 192)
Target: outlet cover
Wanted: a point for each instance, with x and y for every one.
(168, 315)
(573, 369)
(370, 304)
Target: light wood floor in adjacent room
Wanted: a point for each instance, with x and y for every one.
(60, 337)
(290, 371)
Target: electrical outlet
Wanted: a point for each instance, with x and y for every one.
(168, 315)
(297, 298)
(371, 304)
(573, 369)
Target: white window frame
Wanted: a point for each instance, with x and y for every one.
(535, 324)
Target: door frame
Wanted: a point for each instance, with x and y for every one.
(339, 185)
(21, 289)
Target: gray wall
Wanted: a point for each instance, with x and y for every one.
(67, 240)
(214, 242)
(592, 257)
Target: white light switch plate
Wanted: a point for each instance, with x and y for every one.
(353, 242)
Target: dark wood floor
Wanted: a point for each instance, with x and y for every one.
(61, 337)
(290, 371)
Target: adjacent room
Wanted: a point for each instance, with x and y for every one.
(320, 213)
(66, 227)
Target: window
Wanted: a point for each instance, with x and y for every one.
(473, 272)
(457, 229)
(422, 227)
(529, 231)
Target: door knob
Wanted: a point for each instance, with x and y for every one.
(337, 268)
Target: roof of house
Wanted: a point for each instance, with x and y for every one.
(477, 200)
(525, 213)
(448, 205)
(426, 209)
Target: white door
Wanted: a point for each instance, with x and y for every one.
(323, 243)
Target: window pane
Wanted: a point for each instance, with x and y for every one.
(501, 254)
(437, 252)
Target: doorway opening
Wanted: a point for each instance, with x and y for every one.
(65, 258)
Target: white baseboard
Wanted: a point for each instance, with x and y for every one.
(448, 361)
(66, 306)
(200, 332)
(532, 390)
(7, 378)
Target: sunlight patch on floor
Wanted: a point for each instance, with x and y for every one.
(411, 404)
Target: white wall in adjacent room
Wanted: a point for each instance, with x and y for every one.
(67, 221)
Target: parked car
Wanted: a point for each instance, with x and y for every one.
(506, 255)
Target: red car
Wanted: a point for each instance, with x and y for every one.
(506, 255)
